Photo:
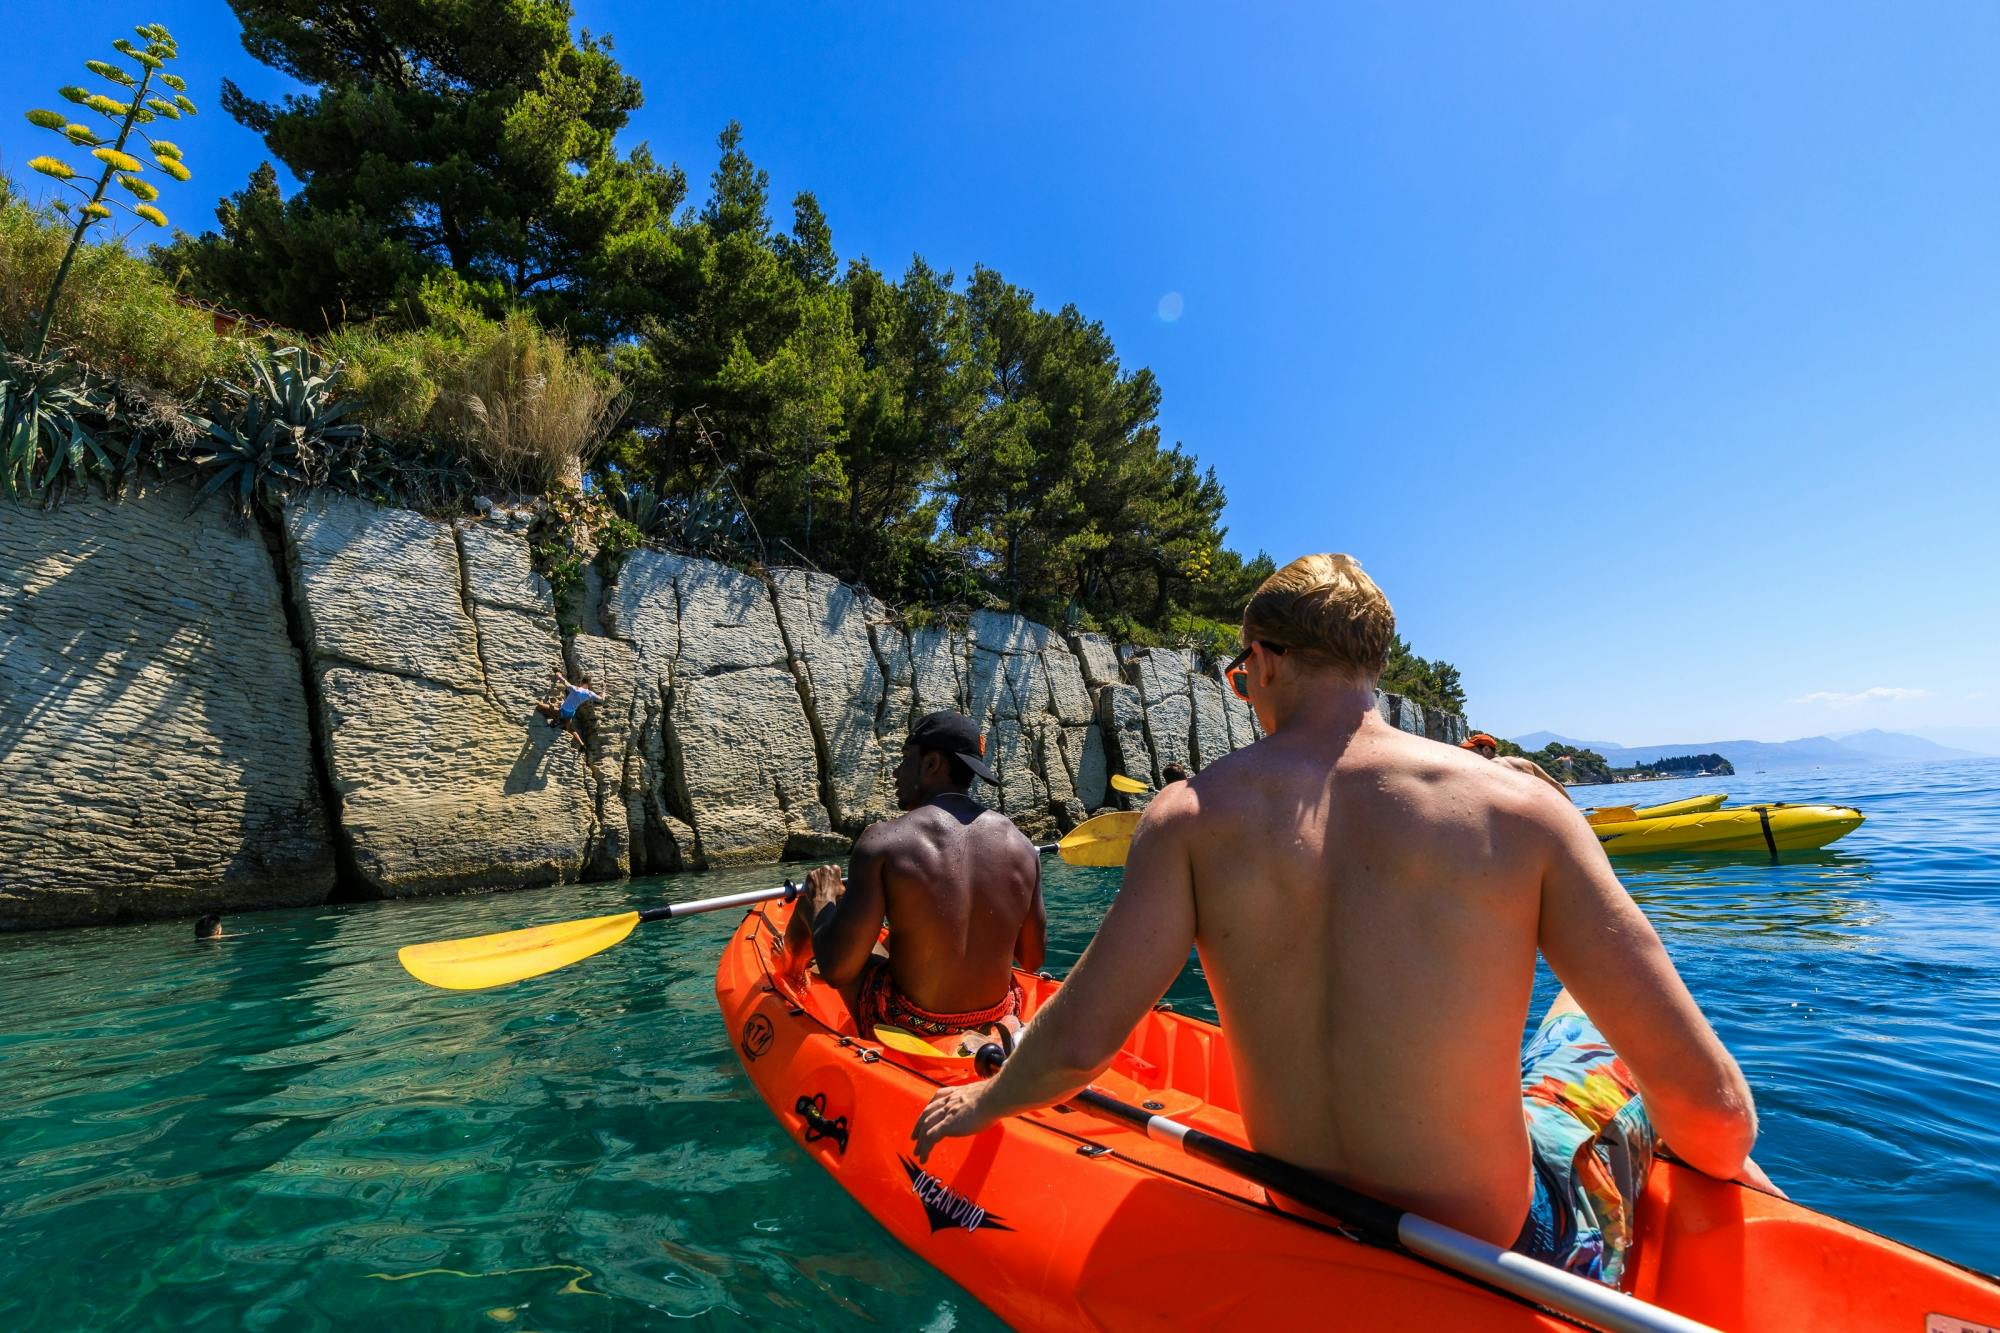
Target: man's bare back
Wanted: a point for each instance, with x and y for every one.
(958, 883)
(962, 892)
(1368, 906)
(1373, 971)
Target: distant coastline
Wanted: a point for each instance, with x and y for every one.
(1850, 749)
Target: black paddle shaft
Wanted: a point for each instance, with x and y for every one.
(1371, 1219)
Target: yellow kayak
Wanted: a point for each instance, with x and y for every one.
(1741, 828)
(1692, 805)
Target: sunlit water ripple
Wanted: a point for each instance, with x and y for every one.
(283, 1130)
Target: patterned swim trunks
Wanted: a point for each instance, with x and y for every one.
(1593, 1145)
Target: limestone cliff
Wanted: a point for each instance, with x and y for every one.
(430, 645)
(201, 712)
(155, 753)
(728, 753)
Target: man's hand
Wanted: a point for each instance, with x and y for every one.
(953, 1113)
(824, 886)
(1753, 1176)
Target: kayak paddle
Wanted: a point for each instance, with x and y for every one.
(1119, 782)
(1611, 814)
(1389, 1227)
(515, 955)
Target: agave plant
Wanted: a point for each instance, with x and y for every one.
(131, 105)
(281, 428)
(711, 523)
(641, 506)
(48, 440)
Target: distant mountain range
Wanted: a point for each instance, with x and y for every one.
(1854, 748)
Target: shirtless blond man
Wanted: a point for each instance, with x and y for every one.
(1368, 905)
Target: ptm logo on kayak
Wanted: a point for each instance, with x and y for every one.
(757, 1034)
(945, 1206)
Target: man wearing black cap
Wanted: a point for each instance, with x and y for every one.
(959, 885)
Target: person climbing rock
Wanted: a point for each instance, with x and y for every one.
(563, 716)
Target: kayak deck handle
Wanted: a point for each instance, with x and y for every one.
(819, 1125)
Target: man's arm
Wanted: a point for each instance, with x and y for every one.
(1139, 949)
(1602, 948)
(1032, 945)
(845, 929)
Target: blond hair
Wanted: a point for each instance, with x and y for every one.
(1324, 606)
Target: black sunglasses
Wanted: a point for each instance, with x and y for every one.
(1238, 678)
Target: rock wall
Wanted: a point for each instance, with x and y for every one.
(727, 761)
(155, 754)
(199, 713)
(430, 644)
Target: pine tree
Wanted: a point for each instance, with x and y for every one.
(433, 134)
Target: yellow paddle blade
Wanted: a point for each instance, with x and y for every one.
(1102, 841)
(909, 1043)
(1119, 782)
(1612, 814)
(513, 955)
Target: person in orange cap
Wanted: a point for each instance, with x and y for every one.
(1480, 744)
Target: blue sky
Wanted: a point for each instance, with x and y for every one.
(1646, 355)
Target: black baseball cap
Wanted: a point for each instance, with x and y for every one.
(955, 735)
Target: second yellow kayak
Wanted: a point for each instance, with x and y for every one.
(1743, 828)
(1692, 805)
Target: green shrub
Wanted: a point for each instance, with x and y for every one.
(116, 314)
(51, 417)
(395, 375)
(1211, 640)
(516, 402)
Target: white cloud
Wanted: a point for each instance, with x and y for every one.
(1880, 694)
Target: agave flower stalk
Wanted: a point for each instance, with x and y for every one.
(130, 111)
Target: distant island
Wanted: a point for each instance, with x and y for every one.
(1677, 766)
(1579, 766)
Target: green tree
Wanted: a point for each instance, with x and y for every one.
(742, 354)
(908, 409)
(1434, 684)
(434, 134)
(1573, 764)
(1061, 482)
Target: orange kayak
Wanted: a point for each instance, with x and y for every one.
(1060, 1219)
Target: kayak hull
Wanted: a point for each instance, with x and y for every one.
(1063, 1220)
(1691, 805)
(1745, 828)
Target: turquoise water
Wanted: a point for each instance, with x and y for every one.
(284, 1131)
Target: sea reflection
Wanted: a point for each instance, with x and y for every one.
(1810, 899)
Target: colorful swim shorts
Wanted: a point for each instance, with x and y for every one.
(1593, 1145)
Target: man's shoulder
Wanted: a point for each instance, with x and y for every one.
(884, 834)
(930, 824)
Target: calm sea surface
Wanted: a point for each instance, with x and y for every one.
(284, 1131)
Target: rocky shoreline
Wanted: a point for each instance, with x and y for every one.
(200, 712)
